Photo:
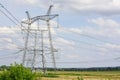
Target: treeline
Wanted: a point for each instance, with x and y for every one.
(3, 67)
(87, 69)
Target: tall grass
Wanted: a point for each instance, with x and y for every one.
(80, 78)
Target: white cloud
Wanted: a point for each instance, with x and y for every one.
(8, 37)
(105, 22)
(6, 40)
(6, 30)
(91, 6)
(38, 3)
(104, 28)
(112, 46)
(104, 7)
(72, 56)
(31, 1)
(9, 46)
(116, 3)
(7, 43)
(77, 30)
(64, 41)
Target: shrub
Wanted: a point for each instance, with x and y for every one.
(17, 72)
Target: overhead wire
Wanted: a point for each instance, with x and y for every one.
(99, 46)
(92, 61)
(117, 58)
(70, 31)
(10, 55)
(8, 17)
(9, 13)
(80, 47)
(16, 20)
(19, 23)
(82, 42)
(88, 36)
(96, 50)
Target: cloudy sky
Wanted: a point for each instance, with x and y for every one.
(88, 33)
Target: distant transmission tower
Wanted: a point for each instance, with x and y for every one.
(35, 44)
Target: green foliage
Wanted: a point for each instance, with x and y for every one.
(17, 72)
(5, 76)
(3, 67)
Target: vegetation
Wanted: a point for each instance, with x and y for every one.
(84, 75)
(79, 78)
(87, 69)
(17, 72)
(4, 67)
(75, 69)
(51, 75)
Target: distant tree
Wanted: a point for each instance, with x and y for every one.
(3, 67)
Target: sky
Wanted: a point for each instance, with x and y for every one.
(88, 33)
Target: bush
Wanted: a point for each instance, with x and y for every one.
(17, 72)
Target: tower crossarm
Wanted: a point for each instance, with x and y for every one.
(42, 17)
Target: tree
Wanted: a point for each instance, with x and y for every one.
(17, 72)
(3, 67)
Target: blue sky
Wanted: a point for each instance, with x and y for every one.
(88, 33)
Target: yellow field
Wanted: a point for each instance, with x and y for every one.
(70, 75)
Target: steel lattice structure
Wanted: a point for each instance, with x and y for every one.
(35, 36)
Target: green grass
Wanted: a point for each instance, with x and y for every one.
(84, 75)
(91, 75)
(49, 75)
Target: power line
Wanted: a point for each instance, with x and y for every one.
(9, 13)
(19, 23)
(98, 46)
(8, 17)
(76, 62)
(91, 37)
(10, 55)
(94, 61)
(80, 41)
(73, 46)
(12, 17)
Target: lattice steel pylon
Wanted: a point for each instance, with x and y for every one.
(34, 39)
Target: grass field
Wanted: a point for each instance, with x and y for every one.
(90, 75)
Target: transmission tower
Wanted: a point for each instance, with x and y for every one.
(35, 40)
